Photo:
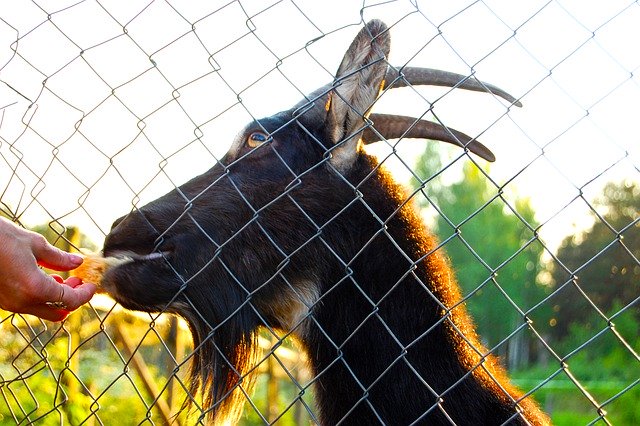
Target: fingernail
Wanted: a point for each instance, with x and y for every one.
(75, 258)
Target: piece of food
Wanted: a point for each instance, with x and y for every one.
(95, 266)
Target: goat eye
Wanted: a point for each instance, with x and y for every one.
(256, 139)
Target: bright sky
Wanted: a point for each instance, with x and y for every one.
(123, 117)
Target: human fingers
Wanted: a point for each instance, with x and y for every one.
(60, 297)
(47, 313)
(73, 293)
(36, 290)
(70, 295)
(73, 282)
(52, 257)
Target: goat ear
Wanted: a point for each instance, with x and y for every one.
(357, 84)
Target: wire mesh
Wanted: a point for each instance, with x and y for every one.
(106, 106)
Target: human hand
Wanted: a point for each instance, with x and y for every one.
(25, 288)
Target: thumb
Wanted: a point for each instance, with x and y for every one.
(52, 257)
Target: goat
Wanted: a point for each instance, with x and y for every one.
(297, 228)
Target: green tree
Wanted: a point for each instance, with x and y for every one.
(598, 269)
(596, 302)
(493, 249)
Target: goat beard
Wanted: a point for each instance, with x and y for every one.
(223, 367)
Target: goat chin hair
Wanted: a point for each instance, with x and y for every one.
(222, 373)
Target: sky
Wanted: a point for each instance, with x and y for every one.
(107, 105)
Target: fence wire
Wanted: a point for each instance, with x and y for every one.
(105, 106)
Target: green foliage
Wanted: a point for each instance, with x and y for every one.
(493, 250)
(604, 369)
(46, 380)
(592, 317)
(596, 311)
(598, 269)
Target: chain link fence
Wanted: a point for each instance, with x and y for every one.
(105, 106)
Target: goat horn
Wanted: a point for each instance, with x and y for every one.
(416, 76)
(400, 126)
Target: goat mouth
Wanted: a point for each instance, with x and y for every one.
(142, 281)
(131, 256)
(150, 256)
(131, 261)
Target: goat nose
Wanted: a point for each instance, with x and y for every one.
(117, 222)
(134, 219)
(131, 231)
